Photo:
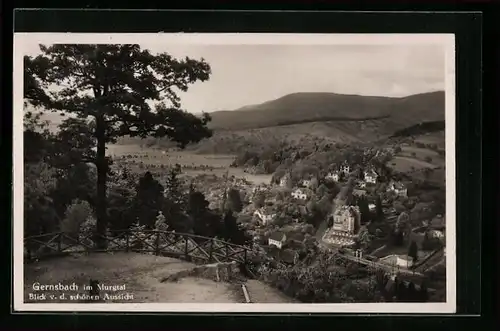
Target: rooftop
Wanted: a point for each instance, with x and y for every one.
(278, 236)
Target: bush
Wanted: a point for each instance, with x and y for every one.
(77, 213)
(320, 282)
(86, 231)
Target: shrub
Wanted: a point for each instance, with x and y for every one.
(77, 213)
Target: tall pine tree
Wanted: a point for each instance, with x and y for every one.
(148, 200)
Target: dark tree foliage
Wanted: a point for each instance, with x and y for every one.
(204, 221)
(259, 199)
(75, 183)
(413, 251)
(379, 212)
(233, 233)
(74, 144)
(423, 293)
(110, 86)
(148, 200)
(175, 202)
(397, 238)
(37, 139)
(412, 294)
(234, 200)
(364, 210)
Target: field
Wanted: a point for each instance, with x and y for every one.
(437, 138)
(422, 154)
(192, 163)
(407, 164)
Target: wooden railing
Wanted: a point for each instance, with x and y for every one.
(163, 243)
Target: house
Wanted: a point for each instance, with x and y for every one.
(286, 180)
(399, 261)
(345, 227)
(333, 176)
(265, 215)
(345, 168)
(435, 234)
(277, 239)
(371, 176)
(299, 194)
(372, 206)
(398, 188)
(361, 184)
(306, 183)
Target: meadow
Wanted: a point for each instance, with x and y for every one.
(191, 162)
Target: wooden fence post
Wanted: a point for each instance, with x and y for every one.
(127, 238)
(227, 252)
(211, 249)
(186, 247)
(158, 243)
(59, 242)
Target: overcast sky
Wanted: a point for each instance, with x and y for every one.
(251, 74)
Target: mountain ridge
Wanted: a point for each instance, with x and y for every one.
(306, 107)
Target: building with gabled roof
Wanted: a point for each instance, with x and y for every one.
(398, 188)
(300, 194)
(370, 176)
(286, 180)
(277, 239)
(346, 222)
(333, 176)
(265, 215)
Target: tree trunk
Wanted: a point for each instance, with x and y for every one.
(102, 168)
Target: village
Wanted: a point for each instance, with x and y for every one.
(349, 209)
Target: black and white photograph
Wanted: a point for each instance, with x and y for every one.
(234, 172)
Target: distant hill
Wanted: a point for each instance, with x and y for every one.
(341, 118)
(391, 114)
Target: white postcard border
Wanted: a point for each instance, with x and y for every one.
(447, 40)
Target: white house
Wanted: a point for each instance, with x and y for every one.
(400, 261)
(285, 180)
(371, 206)
(345, 168)
(371, 176)
(398, 188)
(435, 234)
(265, 216)
(306, 183)
(299, 194)
(277, 239)
(333, 176)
